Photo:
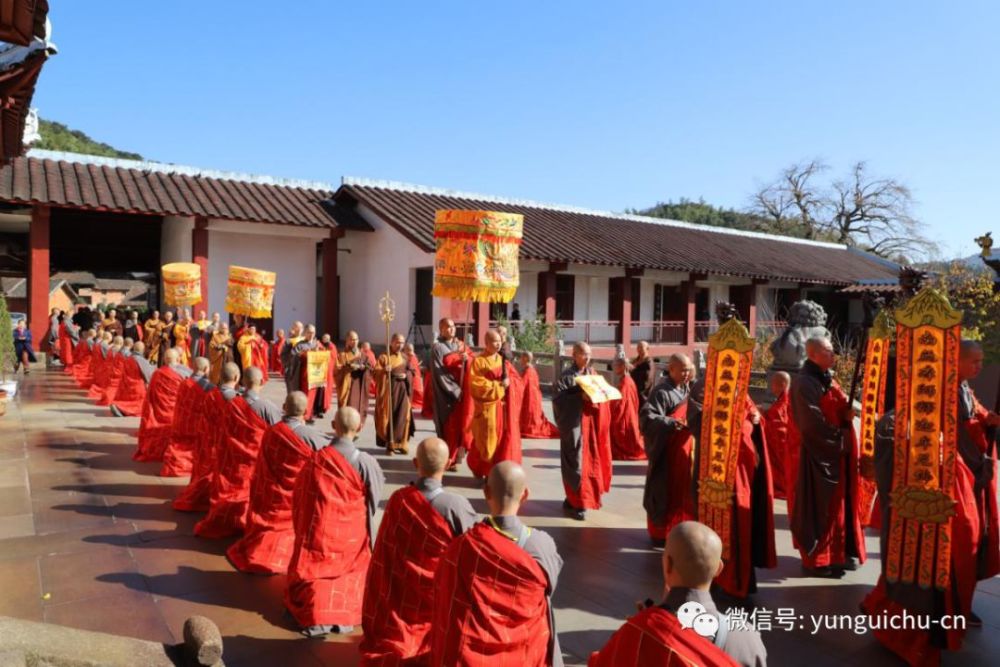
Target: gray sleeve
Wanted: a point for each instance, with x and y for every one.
(746, 648)
(655, 418)
(266, 410)
(542, 548)
(443, 381)
(371, 474)
(457, 511)
(823, 439)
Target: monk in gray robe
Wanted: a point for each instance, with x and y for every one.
(448, 367)
(294, 361)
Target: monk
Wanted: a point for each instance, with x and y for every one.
(132, 328)
(643, 371)
(252, 350)
(626, 437)
(662, 634)
(394, 379)
(115, 369)
(419, 523)
(534, 423)
(111, 323)
(777, 421)
(69, 335)
(366, 347)
(448, 368)
(189, 426)
(266, 545)
(495, 419)
(247, 420)
(196, 496)
(584, 439)
(826, 527)
(321, 398)
(98, 365)
(277, 348)
(182, 336)
(352, 376)
(137, 373)
(83, 371)
(290, 360)
(157, 422)
(81, 355)
(333, 514)
(220, 350)
(494, 584)
(667, 497)
(417, 400)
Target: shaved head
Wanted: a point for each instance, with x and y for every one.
(230, 373)
(692, 557)
(139, 347)
(506, 488)
(970, 359)
(202, 365)
(295, 404)
(817, 343)
(432, 457)
(171, 356)
(347, 422)
(254, 377)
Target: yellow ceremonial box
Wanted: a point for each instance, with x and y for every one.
(250, 292)
(181, 283)
(597, 389)
(476, 256)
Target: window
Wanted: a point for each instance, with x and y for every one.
(424, 302)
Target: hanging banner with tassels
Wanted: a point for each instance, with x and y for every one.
(727, 383)
(476, 257)
(928, 334)
(250, 292)
(872, 408)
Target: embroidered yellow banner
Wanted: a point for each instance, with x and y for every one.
(476, 257)
(250, 292)
(317, 368)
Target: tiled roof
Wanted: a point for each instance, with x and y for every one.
(17, 288)
(566, 234)
(130, 186)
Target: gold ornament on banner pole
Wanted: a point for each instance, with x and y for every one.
(387, 313)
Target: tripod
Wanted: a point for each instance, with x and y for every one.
(415, 334)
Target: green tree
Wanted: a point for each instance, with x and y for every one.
(973, 292)
(58, 137)
(532, 334)
(7, 355)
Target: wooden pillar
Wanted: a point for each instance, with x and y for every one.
(623, 310)
(690, 291)
(482, 317)
(752, 310)
(331, 285)
(199, 255)
(547, 295)
(38, 274)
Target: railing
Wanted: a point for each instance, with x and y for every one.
(671, 332)
(592, 331)
(704, 329)
(770, 328)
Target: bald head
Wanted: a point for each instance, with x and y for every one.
(780, 382)
(171, 356)
(295, 403)
(506, 488)
(139, 347)
(819, 350)
(680, 369)
(692, 557)
(253, 377)
(432, 457)
(230, 373)
(347, 422)
(202, 365)
(970, 359)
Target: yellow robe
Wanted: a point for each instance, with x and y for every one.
(182, 341)
(218, 354)
(151, 331)
(487, 399)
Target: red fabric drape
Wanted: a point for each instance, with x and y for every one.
(81, 362)
(534, 424)
(211, 432)
(178, 457)
(399, 593)
(654, 636)
(266, 545)
(326, 578)
(427, 411)
(115, 374)
(508, 425)
(626, 437)
(680, 502)
(158, 414)
(595, 457)
(131, 393)
(276, 348)
(776, 425)
(489, 606)
(102, 373)
(417, 400)
(986, 499)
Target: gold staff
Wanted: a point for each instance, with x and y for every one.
(387, 312)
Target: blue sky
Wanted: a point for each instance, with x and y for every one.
(598, 104)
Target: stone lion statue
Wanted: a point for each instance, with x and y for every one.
(806, 319)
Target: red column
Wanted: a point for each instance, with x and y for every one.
(482, 317)
(547, 295)
(690, 290)
(331, 285)
(199, 255)
(623, 306)
(38, 274)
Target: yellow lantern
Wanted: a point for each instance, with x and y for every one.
(181, 283)
(250, 292)
(476, 257)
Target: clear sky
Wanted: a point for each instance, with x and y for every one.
(607, 105)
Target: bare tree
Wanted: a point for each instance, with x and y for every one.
(862, 211)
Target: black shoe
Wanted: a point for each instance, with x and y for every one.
(824, 572)
(973, 620)
(116, 411)
(317, 631)
(574, 512)
(851, 565)
(659, 544)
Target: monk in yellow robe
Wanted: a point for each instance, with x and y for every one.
(394, 379)
(495, 393)
(152, 330)
(352, 377)
(182, 337)
(220, 351)
(253, 350)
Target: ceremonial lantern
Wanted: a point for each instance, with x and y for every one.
(873, 383)
(250, 292)
(181, 283)
(928, 335)
(727, 382)
(476, 255)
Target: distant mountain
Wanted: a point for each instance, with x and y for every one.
(58, 137)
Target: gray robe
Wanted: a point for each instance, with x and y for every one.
(307, 434)
(183, 371)
(145, 368)
(263, 408)
(658, 425)
(455, 509)
(567, 408)
(291, 360)
(447, 390)
(743, 646)
(228, 393)
(371, 474)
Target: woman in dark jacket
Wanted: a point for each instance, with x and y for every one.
(22, 346)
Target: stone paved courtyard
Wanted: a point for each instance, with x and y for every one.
(88, 539)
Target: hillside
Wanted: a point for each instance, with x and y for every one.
(58, 137)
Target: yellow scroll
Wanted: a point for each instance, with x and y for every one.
(928, 334)
(477, 255)
(597, 389)
(727, 382)
(250, 292)
(872, 408)
(317, 368)
(181, 283)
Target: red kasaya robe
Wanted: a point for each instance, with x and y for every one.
(93, 362)
(427, 409)
(534, 424)
(626, 437)
(267, 543)
(654, 636)
(211, 434)
(490, 606)
(417, 399)
(777, 421)
(986, 498)
(102, 372)
(178, 457)
(276, 348)
(81, 362)
(595, 457)
(399, 593)
(373, 363)
(116, 370)
(65, 349)
(326, 578)
(158, 414)
(230, 493)
(131, 393)
(494, 414)
(679, 501)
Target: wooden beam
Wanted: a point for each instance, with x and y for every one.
(634, 272)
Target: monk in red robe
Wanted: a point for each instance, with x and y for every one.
(534, 424)
(333, 510)
(584, 439)
(136, 376)
(494, 584)
(626, 437)
(101, 364)
(777, 421)
(427, 410)
(67, 331)
(83, 369)
(114, 369)
(825, 523)
(157, 422)
(668, 497)
(267, 542)
(495, 414)
(196, 496)
(449, 362)
(419, 523)
(687, 627)
(277, 347)
(321, 397)
(178, 458)
(247, 419)
(81, 356)
(252, 350)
